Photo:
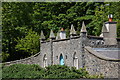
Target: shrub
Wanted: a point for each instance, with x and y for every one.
(52, 72)
(23, 71)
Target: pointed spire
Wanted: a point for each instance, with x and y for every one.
(104, 29)
(58, 36)
(52, 34)
(42, 35)
(72, 31)
(83, 29)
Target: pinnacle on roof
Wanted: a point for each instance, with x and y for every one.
(104, 29)
(83, 29)
(52, 34)
(42, 35)
(58, 35)
(72, 30)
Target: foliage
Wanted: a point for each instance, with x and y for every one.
(22, 71)
(58, 71)
(4, 56)
(19, 17)
(51, 72)
(29, 44)
(16, 20)
(95, 76)
(101, 15)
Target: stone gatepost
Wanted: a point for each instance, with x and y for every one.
(83, 38)
(52, 37)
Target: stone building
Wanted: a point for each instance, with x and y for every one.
(69, 51)
(100, 55)
(74, 51)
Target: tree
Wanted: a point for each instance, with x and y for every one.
(19, 17)
(30, 44)
(15, 23)
(101, 15)
(114, 9)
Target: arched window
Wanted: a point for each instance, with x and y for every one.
(75, 61)
(61, 60)
(44, 61)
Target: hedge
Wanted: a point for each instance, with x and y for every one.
(24, 71)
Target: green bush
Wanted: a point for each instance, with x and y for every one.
(53, 72)
(57, 71)
(4, 56)
(23, 71)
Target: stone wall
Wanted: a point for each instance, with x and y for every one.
(94, 41)
(98, 42)
(45, 50)
(30, 60)
(99, 64)
(67, 48)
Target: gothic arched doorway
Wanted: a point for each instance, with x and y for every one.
(61, 60)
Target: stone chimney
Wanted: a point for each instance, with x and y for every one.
(62, 34)
(72, 31)
(42, 37)
(109, 32)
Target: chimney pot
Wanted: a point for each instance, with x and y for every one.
(110, 16)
